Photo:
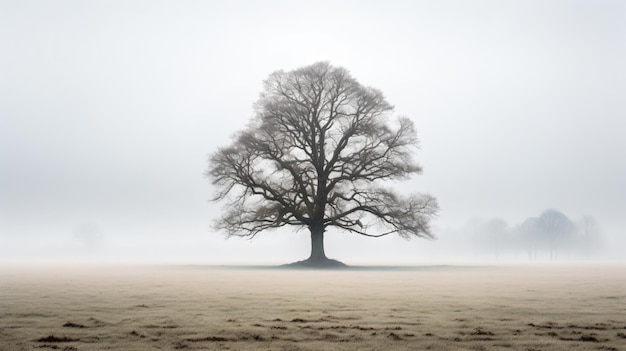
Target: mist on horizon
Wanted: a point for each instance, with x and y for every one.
(482, 241)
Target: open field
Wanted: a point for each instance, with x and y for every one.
(579, 307)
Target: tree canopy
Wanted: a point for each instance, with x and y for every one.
(316, 154)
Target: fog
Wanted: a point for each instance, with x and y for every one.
(109, 110)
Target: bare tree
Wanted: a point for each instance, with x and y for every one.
(555, 229)
(314, 156)
(550, 231)
(589, 240)
(494, 235)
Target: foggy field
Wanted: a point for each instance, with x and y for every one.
(576, 307)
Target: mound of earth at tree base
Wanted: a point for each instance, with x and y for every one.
(316, 264)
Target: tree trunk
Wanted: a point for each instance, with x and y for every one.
(317, 244)
(318, 259)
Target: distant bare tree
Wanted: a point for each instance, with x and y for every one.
(590, 240)
(314, 156)
(555, 228)
(495, 232)
(529, 234)
(589, 227)
(550, 231)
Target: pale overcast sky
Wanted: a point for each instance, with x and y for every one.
(108, 110)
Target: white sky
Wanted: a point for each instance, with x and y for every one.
(108, 110)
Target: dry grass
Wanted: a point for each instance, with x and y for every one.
(196, 308)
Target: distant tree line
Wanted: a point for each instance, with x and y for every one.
(551, 235)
